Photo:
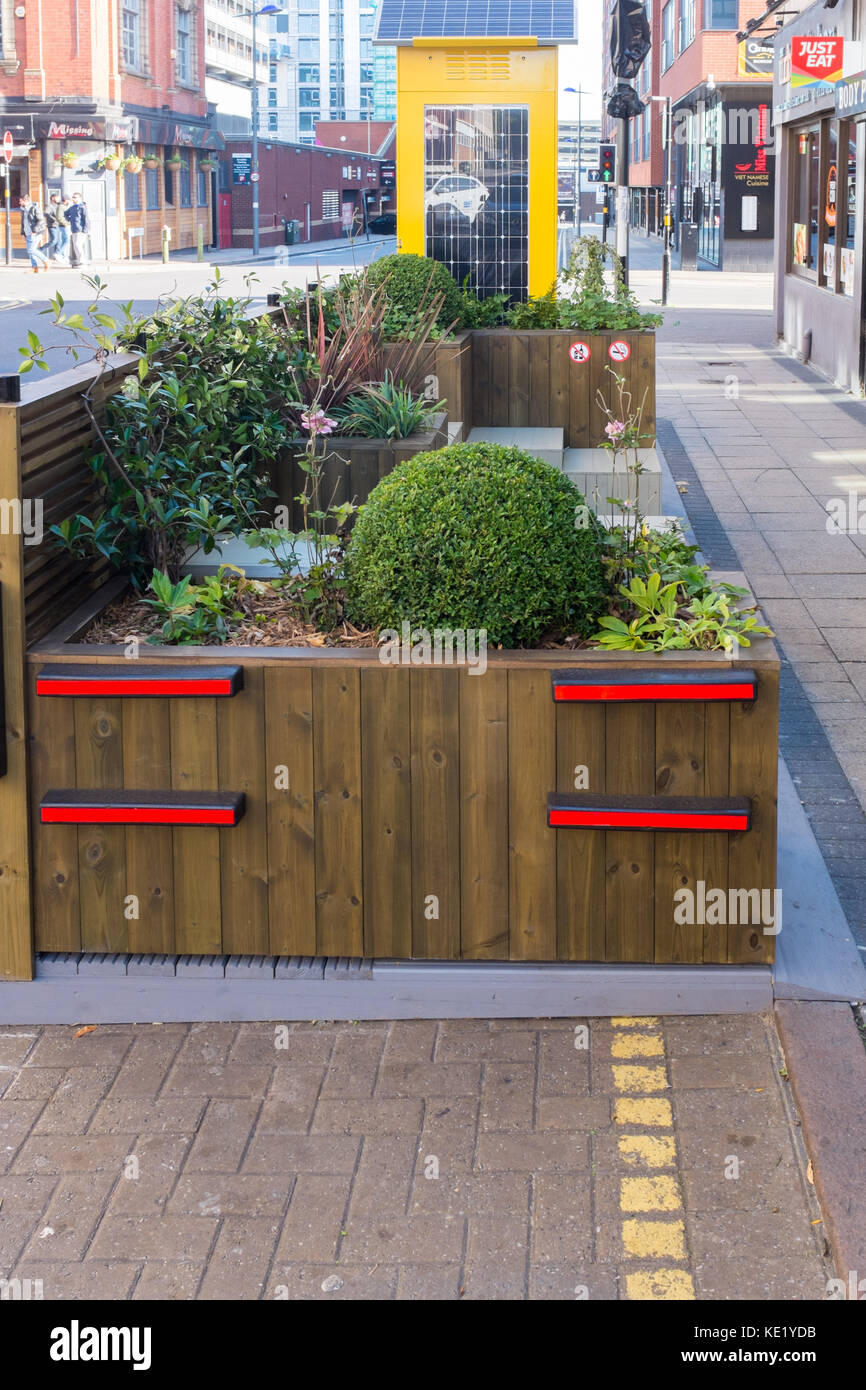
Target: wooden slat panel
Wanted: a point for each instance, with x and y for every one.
(580, 389)
(149, 860)
(558, 392)
(484, 816)
(337, 770)
(244, 848)
(754, 773)
(57, 920)
(434, 701)
(101, 848)
(501, 347)
(540, 380)
(519, 379)
(580, 854)
(642, 376)
(291, 844)
(629, 895)
(601, 381)
(196, 849)
(717, 730)
(481, 408)
(532, 845)
(679, 857)
(386, 753)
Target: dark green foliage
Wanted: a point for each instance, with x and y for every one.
(477, 536)
(411, 282)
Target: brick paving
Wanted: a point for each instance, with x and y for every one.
(406, 1160)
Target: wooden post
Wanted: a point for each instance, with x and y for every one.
(16, 932)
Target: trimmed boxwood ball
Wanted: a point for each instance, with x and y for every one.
(413, 280)
(476, 536)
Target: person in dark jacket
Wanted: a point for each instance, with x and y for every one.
(55, 216)
(79, 229)
(33, 229)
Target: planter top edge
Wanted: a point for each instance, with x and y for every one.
(360, 441)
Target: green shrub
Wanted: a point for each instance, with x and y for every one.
(477, 536)
(388, 411)
(411, 281)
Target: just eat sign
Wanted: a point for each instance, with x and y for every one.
(815, 60)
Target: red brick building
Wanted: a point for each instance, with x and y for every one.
(323, 190)
(722, 154)
(111, 79)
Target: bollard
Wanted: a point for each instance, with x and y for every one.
(166, 238)
(200, 243)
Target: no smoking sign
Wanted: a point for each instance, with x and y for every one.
(579, 352)
(619, 351)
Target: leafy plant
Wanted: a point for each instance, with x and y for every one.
(541, 312)
(482, 313)
(476, 536)
(190, 614)
(409, 282)
(388, 411)
(584, 299)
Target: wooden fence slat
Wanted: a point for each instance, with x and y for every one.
(501, 348)
(51, 743)
(101, 848)
(754, 773)
(291, 811)
(481, 365)
(434, 705)
(386, 799)
(558, 405)
(580, 390)
(540, 380)
(679, 857)
(716, 783)
(484, 816)
(244, 848)
(629, 894)
(519, 379)
(196, 849)
(149, 859)
(337, 773)
(580, 854)
(532, 844)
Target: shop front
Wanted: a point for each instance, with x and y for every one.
(135, 175)
(820, 112)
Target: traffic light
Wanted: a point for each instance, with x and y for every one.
(607, 162)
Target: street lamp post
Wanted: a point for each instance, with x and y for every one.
(668, 220)
(578, 92)
(254, 159)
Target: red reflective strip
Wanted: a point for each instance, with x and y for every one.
(654, 692)
(658, 820)
(126, 815)
(133, 687)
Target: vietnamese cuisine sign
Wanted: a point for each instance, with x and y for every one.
(815, 60)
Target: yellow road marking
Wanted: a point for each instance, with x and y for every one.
(640, 1078)
(634, 1022)
(661, 1240)
(649, 1194)
(655, 1150)
(637, 1045)
(660, 1285)
(649, 1110)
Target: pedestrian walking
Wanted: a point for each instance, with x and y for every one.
(58, 228)
(33, 229)
(78, 219)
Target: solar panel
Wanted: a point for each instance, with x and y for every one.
(550, 21)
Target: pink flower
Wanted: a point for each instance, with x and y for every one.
(615, 429)
(317, 422)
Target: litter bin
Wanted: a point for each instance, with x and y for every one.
(686, 257)
(292, 230)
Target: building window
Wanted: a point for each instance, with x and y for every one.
(804, 200)
(272, 96)
(847, 204)
(687, 23)
(151, 181)
(331, 206)
(168, 185)
(131, 34)
(203, 177)
(308, 23)
(667, 53)
(273, 121)
(308, 75)
(308, 50)
(183, 45)
(131, 192)
(308, 96)
(720, 14)
(185, 182)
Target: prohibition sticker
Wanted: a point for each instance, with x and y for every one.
(579, 352)
(619, 351)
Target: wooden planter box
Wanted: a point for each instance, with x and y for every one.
(401, 813)
(352, 468)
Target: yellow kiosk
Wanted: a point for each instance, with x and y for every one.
(477, 135)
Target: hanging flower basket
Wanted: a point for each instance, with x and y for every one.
(69, 159)
(174, 161)
(208, 163)
(110, 161)
(132, 164)
(152, 161)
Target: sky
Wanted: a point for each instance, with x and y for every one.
(580, 64)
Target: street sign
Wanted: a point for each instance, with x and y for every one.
(579, 352)
(619, 351)
(594, 175)
(254, 178)
(241, 167)
(607, 161)
(8, 146)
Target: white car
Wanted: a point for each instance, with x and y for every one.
(460, 192)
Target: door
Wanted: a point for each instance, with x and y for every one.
(224, 231)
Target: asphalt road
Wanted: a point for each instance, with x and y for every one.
(24, 296)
